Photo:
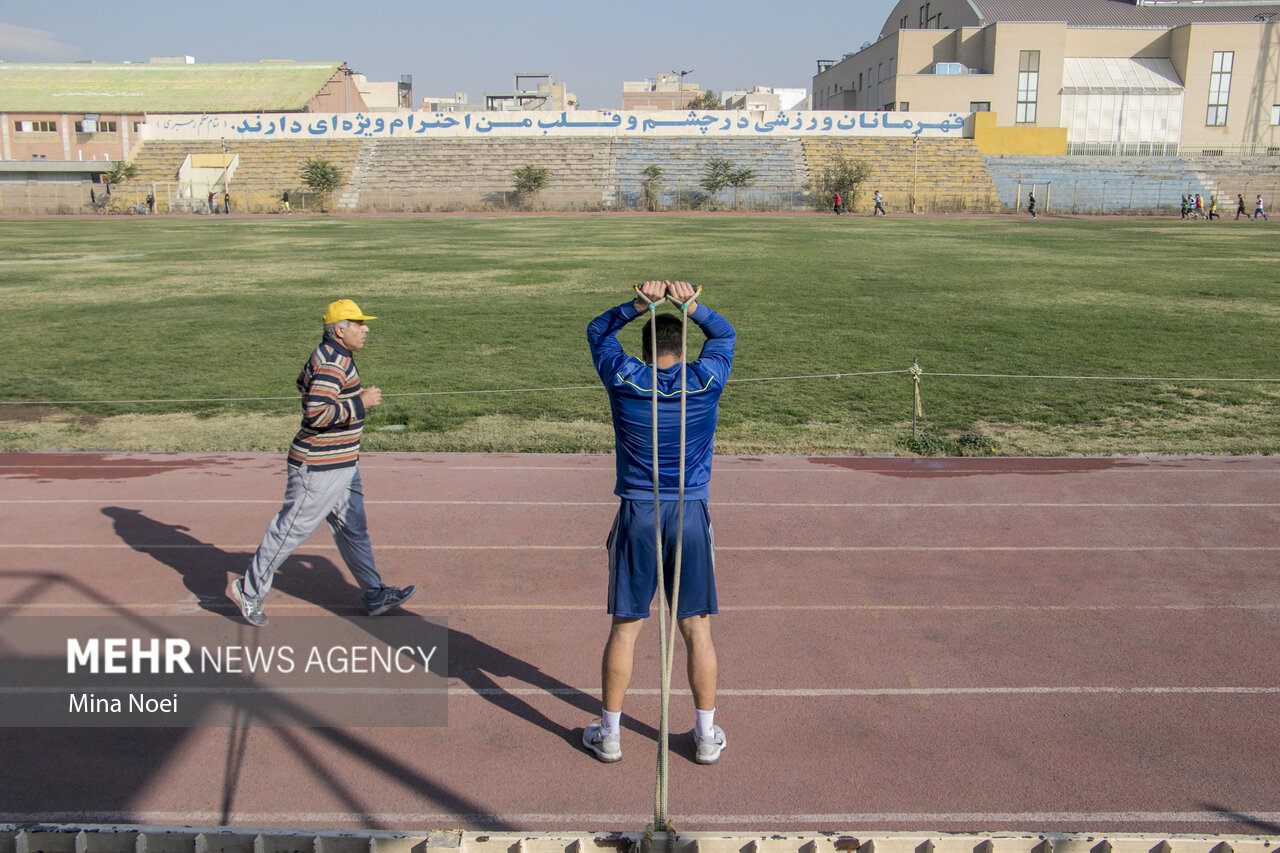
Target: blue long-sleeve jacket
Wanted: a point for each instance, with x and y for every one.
(629, 382)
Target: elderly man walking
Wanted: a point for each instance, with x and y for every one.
(323, 475)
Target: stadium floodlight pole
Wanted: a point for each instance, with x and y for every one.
(225, 180)
(680, 87)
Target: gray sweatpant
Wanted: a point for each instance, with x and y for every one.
(311, 497)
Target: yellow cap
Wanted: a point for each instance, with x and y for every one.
(343, 309)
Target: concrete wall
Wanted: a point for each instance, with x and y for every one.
(711, 124)
(1254, 76)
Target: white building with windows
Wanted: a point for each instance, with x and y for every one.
(1120, 76)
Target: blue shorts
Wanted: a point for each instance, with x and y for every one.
(633, 574)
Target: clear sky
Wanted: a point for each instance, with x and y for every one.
(472, 46)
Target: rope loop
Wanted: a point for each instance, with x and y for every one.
(653, 306)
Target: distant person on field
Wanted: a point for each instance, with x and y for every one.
(1031, 203)
(213, 208)
(1184, 207)
(226, 201)
(151, 203)
(323, 476)
(284, 201)
(838, 204)
(1199, 206)
(879, 205)
(1240, 206)
(1260, 209)
(633, 563)
(1213, 207)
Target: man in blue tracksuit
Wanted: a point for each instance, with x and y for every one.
(633, 573)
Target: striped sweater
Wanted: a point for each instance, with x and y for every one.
(332, 412)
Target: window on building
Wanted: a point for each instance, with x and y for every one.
(902, 25)
(893, 65)
(924, 15)
(1219, 88)
(1028, 85)
(95, 127)
(904, 106)
(35, 126)
(1275, 115)
(979, 106)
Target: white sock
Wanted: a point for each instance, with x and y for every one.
(705, 722)
(611, 721)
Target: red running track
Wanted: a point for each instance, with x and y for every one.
(905, 644)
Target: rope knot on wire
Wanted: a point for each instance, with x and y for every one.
(916, 372)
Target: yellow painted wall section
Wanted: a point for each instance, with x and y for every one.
(212, 161)
(1028, 141)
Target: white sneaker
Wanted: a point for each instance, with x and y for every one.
(607, 748)
(710, 747)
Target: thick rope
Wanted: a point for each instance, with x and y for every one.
(669, 651)
(660, 794)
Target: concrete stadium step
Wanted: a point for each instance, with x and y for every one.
(1246, 176)
(439, 174)
(1098, 184)
(944, 175)
(264, 170)
(780, 174)
(598, 173)
(186, 839)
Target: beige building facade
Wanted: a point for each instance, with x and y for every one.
(1158, 81)
(666, 92)
(89, 112)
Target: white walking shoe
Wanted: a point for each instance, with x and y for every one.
(607, 748)
(710, 747)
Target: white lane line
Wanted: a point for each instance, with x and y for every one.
(857, 693)
(161, 466)
(744, 608)
(746, 692)
(759, 504)
(841, 549)
(905, 471)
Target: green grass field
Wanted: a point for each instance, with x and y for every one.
(163, 309)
